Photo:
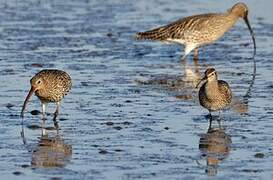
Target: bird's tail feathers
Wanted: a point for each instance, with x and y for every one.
(159, 34)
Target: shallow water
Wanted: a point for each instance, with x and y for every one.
(132, 112)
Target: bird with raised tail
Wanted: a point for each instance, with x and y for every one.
(50, 86)
(199, 30)
(214, 94)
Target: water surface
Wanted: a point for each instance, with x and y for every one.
(132, 112)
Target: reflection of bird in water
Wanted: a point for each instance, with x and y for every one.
(215, 146)
(181, 86)
(49, 85)
(198, 30)
(214, 94)
(191, 75)
(241, 105)
(51, 152)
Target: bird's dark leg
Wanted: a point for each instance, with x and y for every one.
(196, 64)
(210, 115)
(56, 113)
(210, 120)
(219, 120)
(56, 124)
(195, 56)
(23, 135)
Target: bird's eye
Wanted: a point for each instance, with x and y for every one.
(212, 74)
(39, 82)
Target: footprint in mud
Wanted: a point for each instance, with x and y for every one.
(38, 65)
(118, 125)
(35, 127)
(103, 151)
(35, 112)
(17, 173)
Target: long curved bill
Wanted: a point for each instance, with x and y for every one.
(251, 33)
(31, 91)
(199, 82)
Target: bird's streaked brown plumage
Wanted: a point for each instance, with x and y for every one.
(214, 94)
(198, 30)
(49, 85)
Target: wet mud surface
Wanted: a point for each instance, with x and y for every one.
(132, 112)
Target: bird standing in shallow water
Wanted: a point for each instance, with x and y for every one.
(49, 85)
(214, 94)
(198, 30)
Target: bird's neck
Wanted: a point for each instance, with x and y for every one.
(231, 20)
(212, 88)
(41, 93)
(233, 16)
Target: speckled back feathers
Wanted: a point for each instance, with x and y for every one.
(200, 29)
(56, 85)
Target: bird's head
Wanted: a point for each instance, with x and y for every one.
(210, 75)
(240, 9)
(37, 83)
